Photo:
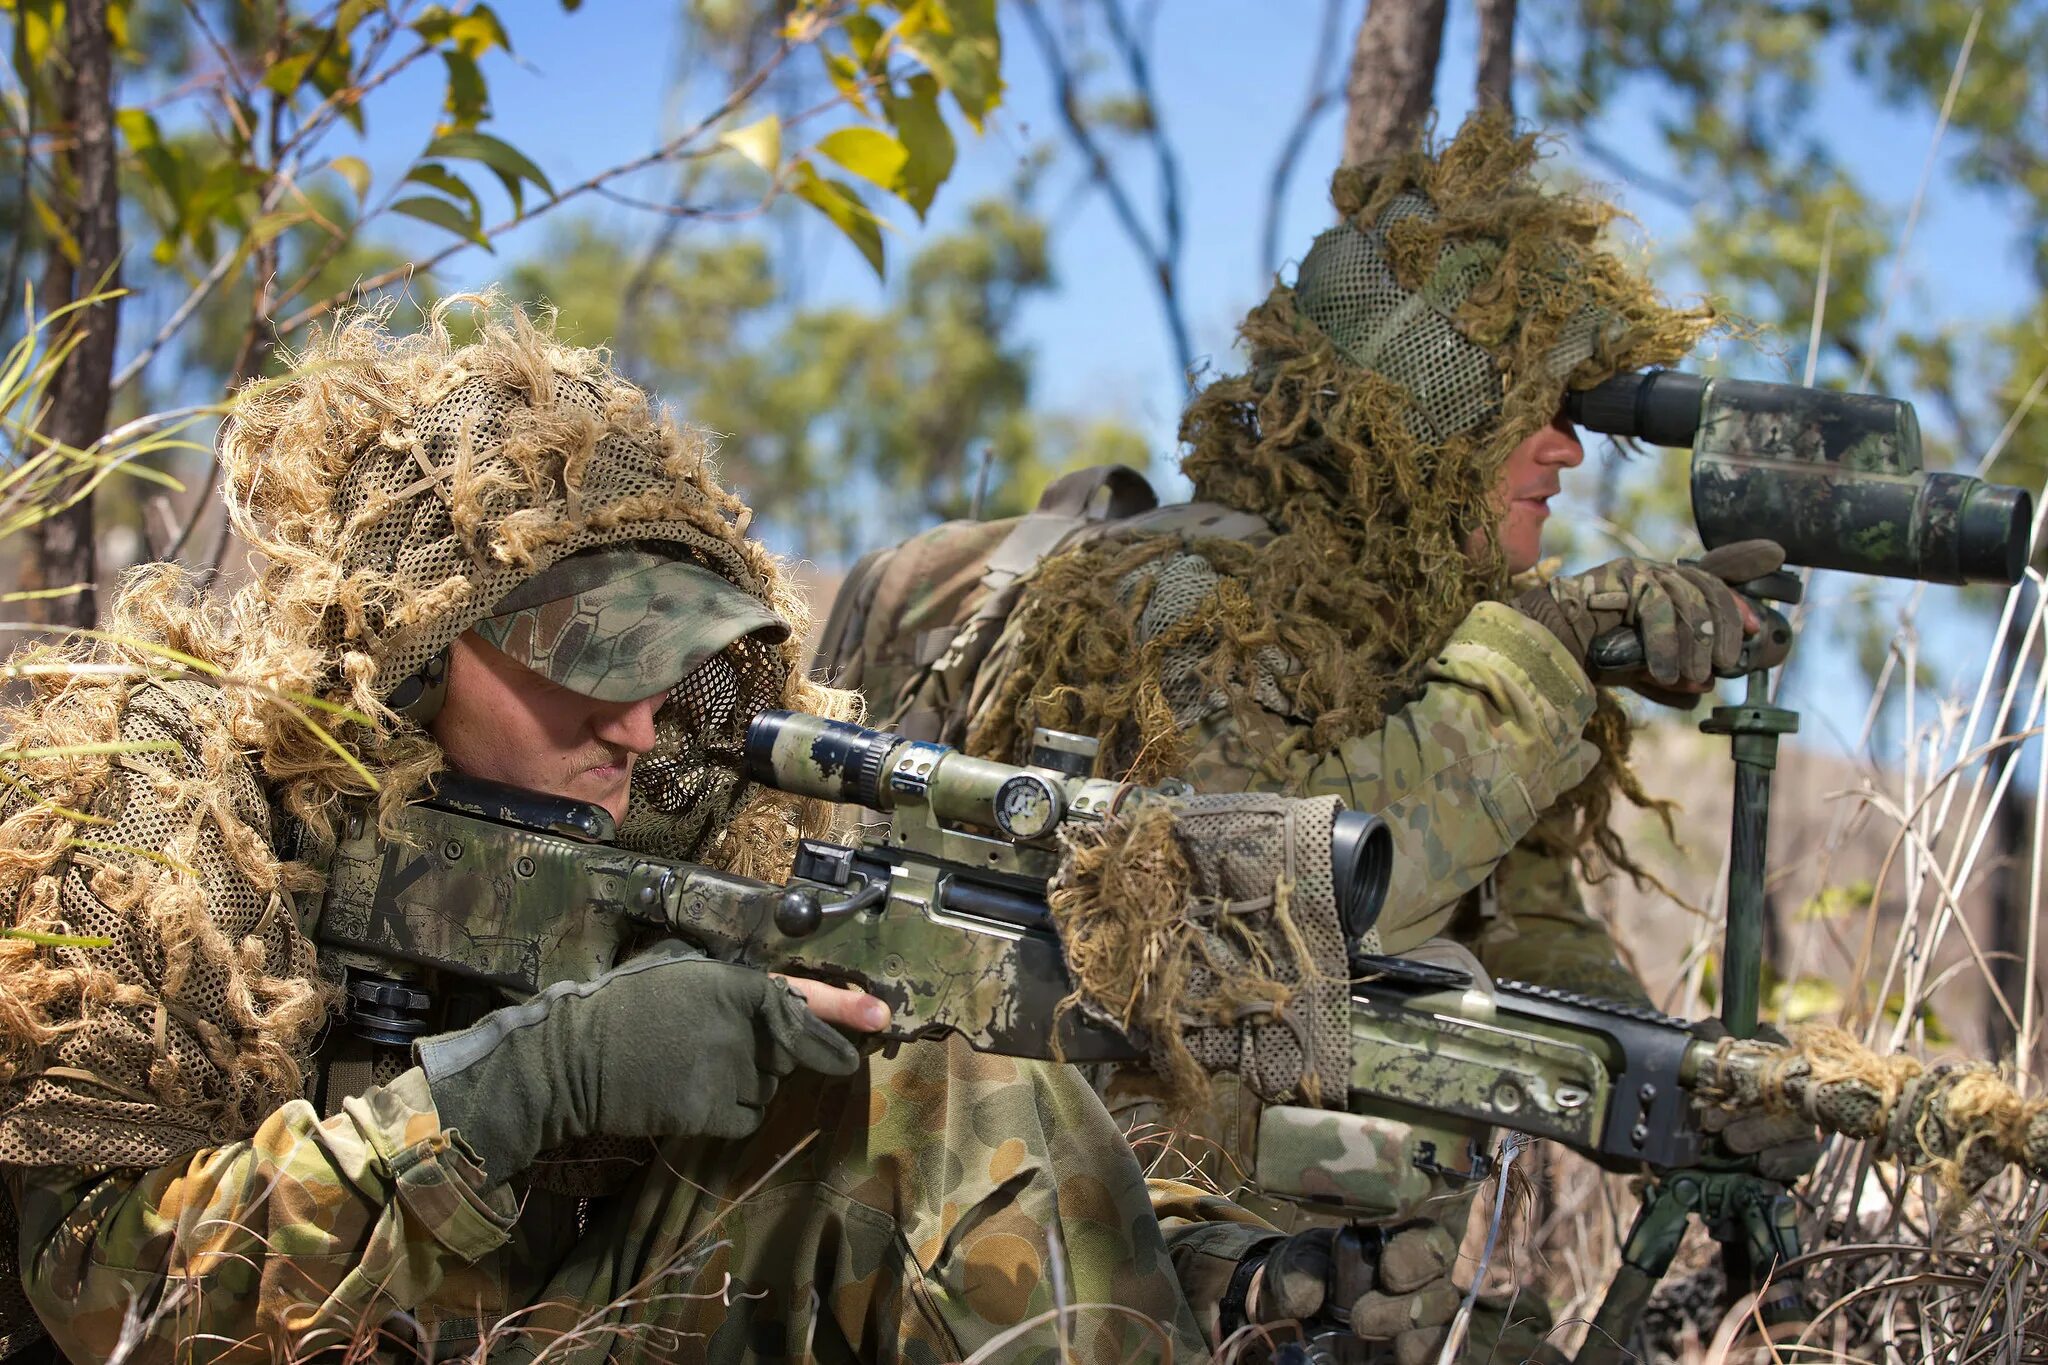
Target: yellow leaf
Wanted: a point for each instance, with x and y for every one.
(869, 153)
(759, 142)
(354, 170)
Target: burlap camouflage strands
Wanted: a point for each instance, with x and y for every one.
(398, 488)
(1206, 925)
(1373, 481)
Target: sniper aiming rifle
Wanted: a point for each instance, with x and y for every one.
(943, 913)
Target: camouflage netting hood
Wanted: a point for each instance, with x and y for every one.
(1426, 336)
(397, 487)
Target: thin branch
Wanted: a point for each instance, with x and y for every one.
(1669, 190)
(666, 152)
(1948, 105)
(1163, 257)
(1323, 93)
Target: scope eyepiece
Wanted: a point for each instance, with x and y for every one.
(1659, 406)
(1362, 861)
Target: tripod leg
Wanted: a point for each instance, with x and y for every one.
(1652, 1243)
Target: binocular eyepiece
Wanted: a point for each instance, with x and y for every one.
(1835, 478)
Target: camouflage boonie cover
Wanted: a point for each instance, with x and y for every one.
(623, 624)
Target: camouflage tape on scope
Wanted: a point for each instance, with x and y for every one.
(839, 761)
(1835, 478)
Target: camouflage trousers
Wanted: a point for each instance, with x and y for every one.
(934, 1206)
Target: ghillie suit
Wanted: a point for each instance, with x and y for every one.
(1426, 337)
(1328, 617)
(173, 1181)
(397, 489)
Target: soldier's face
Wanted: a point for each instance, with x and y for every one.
(504, 722)
(1529, 478)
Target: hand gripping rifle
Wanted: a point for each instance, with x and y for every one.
(943, 913)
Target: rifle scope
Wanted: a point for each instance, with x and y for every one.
(1835, 478)
(834, 760)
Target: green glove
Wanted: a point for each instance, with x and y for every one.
(1687, 616)
(673, 1044)
(1410, 1304)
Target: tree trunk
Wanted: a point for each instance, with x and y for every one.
(1497, 55)
(1393, 77)
(77, 417)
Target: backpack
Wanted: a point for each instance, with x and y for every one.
(913, 624)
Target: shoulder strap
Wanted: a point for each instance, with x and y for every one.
(933, 706)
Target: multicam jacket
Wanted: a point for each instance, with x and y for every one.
(936, 1204)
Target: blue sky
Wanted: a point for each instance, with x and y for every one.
(594, 88)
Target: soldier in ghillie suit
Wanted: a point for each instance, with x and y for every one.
(498, 558)
(1346, 608)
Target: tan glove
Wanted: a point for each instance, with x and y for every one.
(1686, 616)
(1784, 1146)
(1410, 1305)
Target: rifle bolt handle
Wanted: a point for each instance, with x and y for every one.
(797, 912)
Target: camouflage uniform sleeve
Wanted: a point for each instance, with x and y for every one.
(1460, 773)
(1208, 1236)
(1530, 923)
(291, 1240)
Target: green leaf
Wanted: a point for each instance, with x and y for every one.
(846, 79)
(922, 128)
(842, 206)
(865, 34)
(759, 142)
(507, 162)
(143, 137)
(443, 214)
(354, 170)
(471, 33)
(267, 228)
(869, 153)
(467, 100)
(435, 176)
(289, 73)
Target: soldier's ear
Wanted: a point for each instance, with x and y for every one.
(420, 696)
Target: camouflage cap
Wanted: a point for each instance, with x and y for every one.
(624, 622)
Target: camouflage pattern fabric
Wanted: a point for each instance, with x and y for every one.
(1460, 774)
(619, 624)
(1529, 922)
(917, 1211)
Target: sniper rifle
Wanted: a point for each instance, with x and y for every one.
(943, 912)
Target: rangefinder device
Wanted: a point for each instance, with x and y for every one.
(1835, 478)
